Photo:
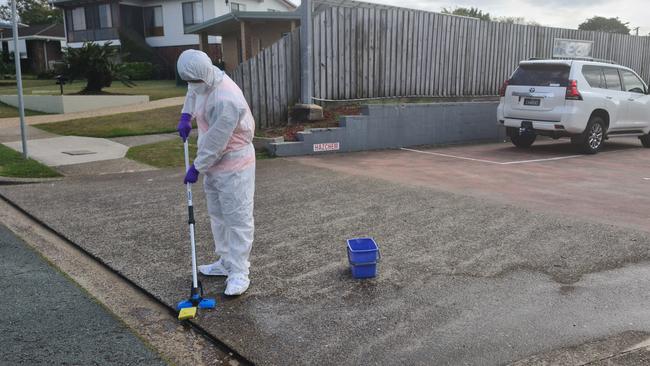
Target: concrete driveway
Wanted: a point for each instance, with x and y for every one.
(472, 272)
(611, 187)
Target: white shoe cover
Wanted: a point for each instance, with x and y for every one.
(215, 269)
(236, 285)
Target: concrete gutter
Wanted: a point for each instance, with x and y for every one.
(13, 180)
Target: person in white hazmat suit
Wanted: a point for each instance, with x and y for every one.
(226, 157)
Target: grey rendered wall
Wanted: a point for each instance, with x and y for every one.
(392, 126)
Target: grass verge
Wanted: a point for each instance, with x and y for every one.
(162, 120)
(155, 89)
(7, 111)
(169, 154)
(13, 165)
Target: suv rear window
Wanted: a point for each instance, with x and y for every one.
(594, 76)
(541, 75)
(613, 79)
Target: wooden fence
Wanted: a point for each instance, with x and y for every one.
(271, 80)
(366, 52)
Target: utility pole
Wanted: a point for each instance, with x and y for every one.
(306, 83)
(19, 79)
(637, 30)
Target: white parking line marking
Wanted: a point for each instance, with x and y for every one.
(540, 160)
(450, 156)
(494, 162)
(646, 178)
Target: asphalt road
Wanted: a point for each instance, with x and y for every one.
(463, 280)
(48, 320)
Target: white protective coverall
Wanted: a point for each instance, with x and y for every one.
(226, 157)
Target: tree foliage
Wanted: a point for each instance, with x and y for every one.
(516, 20)
(32, 12)
(468, 12)
(95, 63)
(602, 24)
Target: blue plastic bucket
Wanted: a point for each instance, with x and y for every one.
(362, 251)
(364, 270)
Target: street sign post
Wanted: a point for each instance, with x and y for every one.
(19, 79)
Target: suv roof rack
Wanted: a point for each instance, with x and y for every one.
(576, 59)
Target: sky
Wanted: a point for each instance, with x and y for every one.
(554, 13)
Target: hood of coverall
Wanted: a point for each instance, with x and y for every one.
(196, 65)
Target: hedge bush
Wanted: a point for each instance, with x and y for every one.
(138, 70)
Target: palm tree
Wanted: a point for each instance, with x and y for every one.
(95, 63)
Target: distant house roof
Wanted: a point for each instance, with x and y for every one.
(288, 3)
(322, 5)
(45, 31)
(230, 22)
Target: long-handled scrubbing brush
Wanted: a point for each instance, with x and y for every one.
(187, 308)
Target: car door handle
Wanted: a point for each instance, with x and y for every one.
(631, 100)
(610, 98)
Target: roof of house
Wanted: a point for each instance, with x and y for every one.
(45, 31)
(288, 3)
(228, 23)
(320, 5)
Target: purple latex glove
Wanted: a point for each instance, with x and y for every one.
(184, 126)
(192, 175)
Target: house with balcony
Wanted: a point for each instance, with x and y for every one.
(158, 24)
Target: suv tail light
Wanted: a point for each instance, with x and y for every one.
(502, 91)
(572, 92)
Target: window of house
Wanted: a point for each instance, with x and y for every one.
(237, 6)
(153, 21)
(105, 18)
(78, 19)
(192, 13)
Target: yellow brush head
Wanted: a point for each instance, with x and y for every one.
(187, 313)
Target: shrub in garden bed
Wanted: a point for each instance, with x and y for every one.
(138, 70)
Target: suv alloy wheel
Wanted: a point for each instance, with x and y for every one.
(591, 141)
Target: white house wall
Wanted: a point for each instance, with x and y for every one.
(173, 25)
(222, 8)
(22, 47)
(173, 19)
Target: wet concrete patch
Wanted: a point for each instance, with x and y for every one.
(611, 351)
(462, 280)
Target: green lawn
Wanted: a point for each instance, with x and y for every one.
(164, 154)
(168, 154)
(162, 120)
(7, 111)
(12, 164)
(155, 89)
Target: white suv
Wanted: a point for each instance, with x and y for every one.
(585, 100)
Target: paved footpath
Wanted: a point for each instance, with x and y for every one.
(48, 320)
(47, 118)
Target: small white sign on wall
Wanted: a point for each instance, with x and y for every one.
(328, 146)
(572, 48)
